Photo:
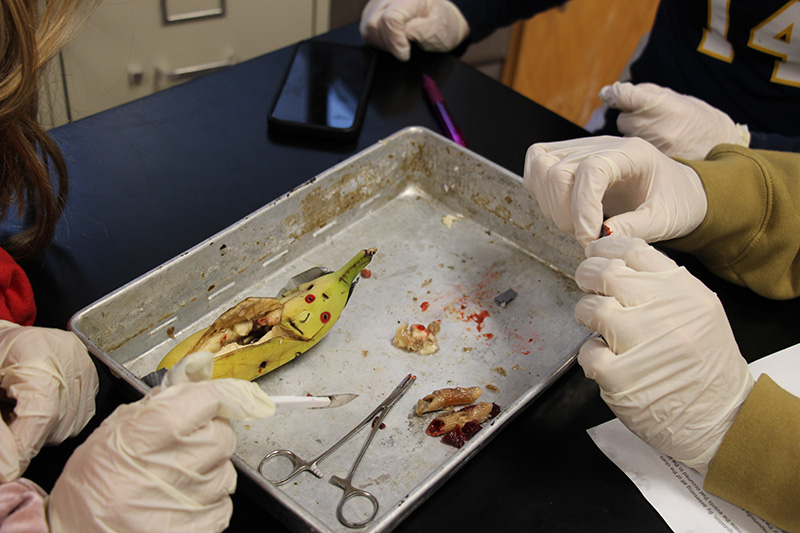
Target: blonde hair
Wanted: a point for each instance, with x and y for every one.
(32, 32)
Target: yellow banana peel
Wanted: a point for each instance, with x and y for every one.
(258, 335)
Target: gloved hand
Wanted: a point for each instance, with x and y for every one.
(161, 463)
(678, 125)
(50, 379)
(22, 507)
(669, 367)
(646, 194)
(436, 25)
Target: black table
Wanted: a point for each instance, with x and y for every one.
(154, 177)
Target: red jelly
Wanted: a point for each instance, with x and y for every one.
(455, 437)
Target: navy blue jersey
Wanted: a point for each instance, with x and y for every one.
(741, 59)
(737, 55)
(485, 16)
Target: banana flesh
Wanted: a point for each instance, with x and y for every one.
(259, 334)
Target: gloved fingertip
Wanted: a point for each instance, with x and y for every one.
(529, 179)
(626, 97)
(584, 241)
(610, 94)
(635, 252)
(402, 55)
(398, 45)
(606, 94)
(742, 135)
(593, 357)
(614, 245)
(9, 473)
(536, 150)
(9, 457)
(642, 224)
(197, 366)
(626, 225)
(538, 162)
(586, 233)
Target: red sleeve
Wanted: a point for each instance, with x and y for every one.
(16, 295)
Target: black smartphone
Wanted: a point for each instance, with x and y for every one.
(324, 91)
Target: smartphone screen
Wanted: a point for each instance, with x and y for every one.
(324, 91)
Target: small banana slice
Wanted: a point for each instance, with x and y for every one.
(450, 397)
(417, 338)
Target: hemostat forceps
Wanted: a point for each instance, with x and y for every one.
(300, 465)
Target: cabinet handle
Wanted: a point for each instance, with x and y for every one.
(182, 73)
(191, 15)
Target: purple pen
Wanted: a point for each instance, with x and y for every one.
(437, 101)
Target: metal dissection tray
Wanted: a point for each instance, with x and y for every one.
(453, 231)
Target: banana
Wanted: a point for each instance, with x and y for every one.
(258, 334)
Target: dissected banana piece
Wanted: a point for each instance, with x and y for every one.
(441, 399)
(479, 412)
(417, 338)
(258, 335)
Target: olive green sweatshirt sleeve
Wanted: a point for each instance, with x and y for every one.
(751, 233)
(757, 466)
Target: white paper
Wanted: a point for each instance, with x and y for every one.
(675, 490)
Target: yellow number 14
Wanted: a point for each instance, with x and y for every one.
(773, 36)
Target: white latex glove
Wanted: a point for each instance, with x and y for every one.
(51, 382)
(436, 25)
(161, 463)
(671, 370)
(22, 507)
(646, 194)
(678, 125)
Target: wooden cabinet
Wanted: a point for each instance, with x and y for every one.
(562, 57)
(132, 48)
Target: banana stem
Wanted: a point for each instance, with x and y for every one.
(348, 272)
